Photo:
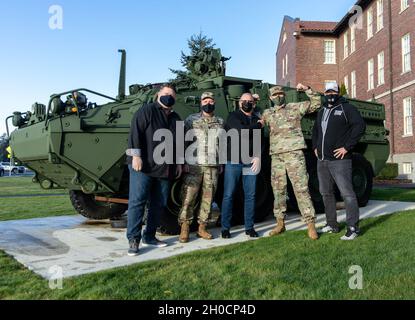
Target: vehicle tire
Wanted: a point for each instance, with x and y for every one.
(1, 173)
(86, 205)
(169, 224)
(362, 179)
(15, 171)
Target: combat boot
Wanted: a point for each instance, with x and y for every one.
(184, 234)
(202, 233)
(279, 229)
(312, 232)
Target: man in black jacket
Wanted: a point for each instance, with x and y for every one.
(337, 130)
(149, 178)
(247, 128)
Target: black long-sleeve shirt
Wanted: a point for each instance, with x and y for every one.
(141, 142)
(239, 121)
(339, 127)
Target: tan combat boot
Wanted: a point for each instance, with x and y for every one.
(279, 229)
(312, 233)
(202, 233)
(184, 234)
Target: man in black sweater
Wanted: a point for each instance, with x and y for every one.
(149, 177)
(337, 130)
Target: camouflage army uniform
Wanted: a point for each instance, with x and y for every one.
(286, 150)
(204, 174)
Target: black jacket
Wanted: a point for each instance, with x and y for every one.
(239, 121)
(345, 128)
(145, 123)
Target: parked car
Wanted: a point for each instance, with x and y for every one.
(14, 169)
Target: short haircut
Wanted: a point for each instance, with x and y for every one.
(168, 85)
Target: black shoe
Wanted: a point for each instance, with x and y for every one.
(134, 248)
(252, 234)
(351, 234)
(226, 234)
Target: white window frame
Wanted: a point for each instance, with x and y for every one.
(286, 64)
(407, 168)
(404, 5)
(352, 39)
(408, 130)
(346, 44)
(369, 23)
(371, 74)
(283, 68)
(379, 14)
(284, 37)
(332, 54)
(381, 68)
(346, 83)
(353, 85)
(406, 53)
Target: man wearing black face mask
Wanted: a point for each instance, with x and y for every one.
(203, 170)
(337, 130)
(149, 181)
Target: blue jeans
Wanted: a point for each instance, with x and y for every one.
(233, 174)
(145, 189)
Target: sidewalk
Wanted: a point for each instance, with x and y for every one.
(80, 246)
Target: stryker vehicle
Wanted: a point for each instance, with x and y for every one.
(80, 146)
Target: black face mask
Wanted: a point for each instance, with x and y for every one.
(168, 101)
(332, 99)
(208, 108)
(279, 101)
(247, 106)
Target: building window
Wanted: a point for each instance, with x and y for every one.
(369, 23)
(284, 37)
(404, 5)
(286, 64)
(381, 68)
(283, 68)
(406, 53)
(379, 10)
(353, 39)
(353, 85)
(329, 51)
(371, 74)
(407, 115)
(346, 44)
(346, 83)
(407, 168)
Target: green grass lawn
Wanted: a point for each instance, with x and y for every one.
(393, 194)
(287, 267)
(23, 186)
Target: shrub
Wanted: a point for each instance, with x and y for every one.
(389, 172)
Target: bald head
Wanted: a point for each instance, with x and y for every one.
(247, 103)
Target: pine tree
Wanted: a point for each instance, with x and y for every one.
(343, 90)
(196, 44)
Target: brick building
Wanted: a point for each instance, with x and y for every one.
(372, 52)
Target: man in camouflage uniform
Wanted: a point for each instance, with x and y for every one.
(203, 172)
(286, 149)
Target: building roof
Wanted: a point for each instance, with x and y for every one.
(317, 26)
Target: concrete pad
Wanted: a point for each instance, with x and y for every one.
(79, 246)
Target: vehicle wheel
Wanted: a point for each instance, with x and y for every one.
(362, 179)
(1, 173)
(15, 171)
(169, 219)
(86, 205)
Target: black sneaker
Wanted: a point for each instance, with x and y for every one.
(154, 243)
(252, 234)
(226, 234)
(351, 234)
(134, 248)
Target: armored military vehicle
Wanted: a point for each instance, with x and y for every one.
(80, 146)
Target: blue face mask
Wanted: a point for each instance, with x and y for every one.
(168, 101)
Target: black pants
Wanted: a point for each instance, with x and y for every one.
(339, 172)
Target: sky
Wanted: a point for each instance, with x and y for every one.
(37, 61)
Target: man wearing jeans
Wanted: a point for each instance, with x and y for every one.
(149, 180)
(248, 128)
(338, 129)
